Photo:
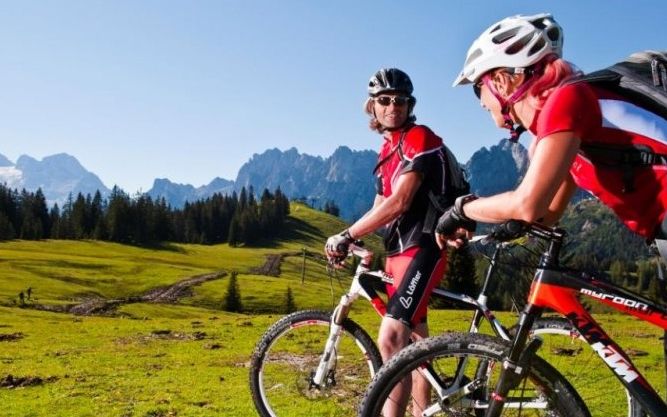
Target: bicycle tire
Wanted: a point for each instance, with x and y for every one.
(281, 365)
(543, 387)
(569, 353)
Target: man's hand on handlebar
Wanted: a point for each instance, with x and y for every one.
(337, 247)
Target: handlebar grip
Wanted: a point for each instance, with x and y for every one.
(509, 230)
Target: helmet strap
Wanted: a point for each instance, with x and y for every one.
(506, 104)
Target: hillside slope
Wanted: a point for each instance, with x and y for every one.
(61, 274)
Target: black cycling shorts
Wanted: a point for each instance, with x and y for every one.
(416, 271)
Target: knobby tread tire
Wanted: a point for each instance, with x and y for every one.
(563, 326)
(565, 399)
(282, 325)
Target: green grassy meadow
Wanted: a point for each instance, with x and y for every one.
(184, 359)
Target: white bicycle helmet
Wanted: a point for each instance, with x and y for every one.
(514, 42)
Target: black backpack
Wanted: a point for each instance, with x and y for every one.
(456, 185)
(642, 79)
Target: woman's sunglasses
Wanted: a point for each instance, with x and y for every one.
(397, 100)
(477, 88)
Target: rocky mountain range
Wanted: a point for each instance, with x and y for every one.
(56, 175)
(344, 178)
(177, 194)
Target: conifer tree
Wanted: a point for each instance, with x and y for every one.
(234, 237)
(119, 217)
(9, 205)
(41, 212)
(78, 218)
(331, 208)
(460, 275)
(6, 228)
(232, 301)
(290, 305)
(617, 272)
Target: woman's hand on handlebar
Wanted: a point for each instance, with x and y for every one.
(456, 240)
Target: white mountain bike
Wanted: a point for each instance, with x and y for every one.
(318, 363)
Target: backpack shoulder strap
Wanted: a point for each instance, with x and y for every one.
(399, 146)
(398, 149)
(627, 158)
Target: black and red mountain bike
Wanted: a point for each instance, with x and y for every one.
(479, 375)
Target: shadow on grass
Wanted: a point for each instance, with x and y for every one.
(296, 229)
(161, 246)
(292, 230)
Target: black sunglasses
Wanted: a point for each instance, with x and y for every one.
(477, 88)
(397, 100)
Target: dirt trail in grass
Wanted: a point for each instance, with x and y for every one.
(168, 294)
(271, 265)
(272, 262)
(171, 293)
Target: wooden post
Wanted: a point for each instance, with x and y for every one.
(303, 268)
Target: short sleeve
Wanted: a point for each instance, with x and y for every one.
(421, 150)
(573, 107)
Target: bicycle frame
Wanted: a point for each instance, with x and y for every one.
(363, 284)
(557, 289)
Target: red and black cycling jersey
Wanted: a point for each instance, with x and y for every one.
(598, 117)
(421, 151)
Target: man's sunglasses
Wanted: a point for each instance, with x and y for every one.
(397, 100)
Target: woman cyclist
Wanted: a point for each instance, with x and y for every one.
(517, 72)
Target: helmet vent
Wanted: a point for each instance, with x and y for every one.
(540, 24)
(473, 56)
(389, 80)
(508, 34)
(537, 47)
(519, 45)
(553, 34)
(495, 28)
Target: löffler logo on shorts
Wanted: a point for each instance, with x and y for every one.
(407, 301)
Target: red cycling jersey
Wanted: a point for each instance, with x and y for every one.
(413, 257)
(421, 151)
(597, 116)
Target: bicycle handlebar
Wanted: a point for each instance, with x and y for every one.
(514, 229)
(357, 249)
(503, 233)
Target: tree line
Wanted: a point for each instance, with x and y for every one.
(235, 219)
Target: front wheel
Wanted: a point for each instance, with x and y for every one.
(285, 360)
(568, 352)
(462, 370)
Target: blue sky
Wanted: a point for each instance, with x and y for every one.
(190, 90)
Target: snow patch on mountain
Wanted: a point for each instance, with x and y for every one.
(11, 177)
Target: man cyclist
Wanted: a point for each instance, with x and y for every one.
(411, 164)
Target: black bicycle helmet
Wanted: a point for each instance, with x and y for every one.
(389, 80)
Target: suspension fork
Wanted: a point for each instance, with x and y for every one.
(517, 363)
(328, 358)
